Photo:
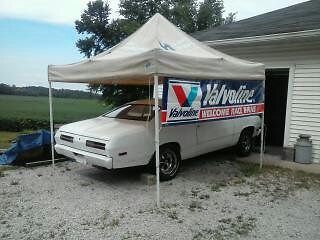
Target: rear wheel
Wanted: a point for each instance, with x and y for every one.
(169, 162)
(245, 143)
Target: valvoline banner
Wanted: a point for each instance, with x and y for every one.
(187, 101)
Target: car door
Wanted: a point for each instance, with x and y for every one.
(214, 135)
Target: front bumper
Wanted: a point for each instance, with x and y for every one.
(84, 157)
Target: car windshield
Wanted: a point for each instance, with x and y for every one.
(137, 112)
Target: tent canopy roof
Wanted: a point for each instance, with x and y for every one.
(157, 48)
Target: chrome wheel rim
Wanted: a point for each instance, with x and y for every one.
(168, 162)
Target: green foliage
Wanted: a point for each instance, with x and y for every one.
(95, 23)
(210, 14)
(17, 125)
(43, 91)
(6, 89)
(118, 95)
(102, 33)
(25, 112)
(140, 11)
(230, 18)
(184, 14)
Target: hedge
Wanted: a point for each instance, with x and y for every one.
(17, 125)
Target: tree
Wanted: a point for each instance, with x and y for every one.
(95, 23)
(101, 33)
(119, 94)
(230, 18)
(140, 11)
(210, 14)
(6, 89)
(184, 14)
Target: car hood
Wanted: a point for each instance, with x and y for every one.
(104, 128)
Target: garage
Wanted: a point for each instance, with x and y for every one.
(287, 42)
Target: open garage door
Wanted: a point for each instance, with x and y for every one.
(276, 92)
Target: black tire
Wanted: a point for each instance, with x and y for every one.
(170, 161)
(245, 143)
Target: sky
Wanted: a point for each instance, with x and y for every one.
(36, 33)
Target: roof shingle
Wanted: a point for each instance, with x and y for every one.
(300, 17)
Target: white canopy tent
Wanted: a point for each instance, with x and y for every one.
(158, 49)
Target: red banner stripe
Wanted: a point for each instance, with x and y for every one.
(181, 96)
(164, 116)
(231, 111)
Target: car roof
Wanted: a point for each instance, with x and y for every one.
(146, 102)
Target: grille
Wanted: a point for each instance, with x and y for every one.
(97, 145)
(66, 138)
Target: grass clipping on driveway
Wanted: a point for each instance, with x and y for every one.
(211, 198)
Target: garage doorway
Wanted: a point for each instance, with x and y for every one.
(276, 105)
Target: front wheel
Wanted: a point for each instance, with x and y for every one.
(245, 143)
(169, 162)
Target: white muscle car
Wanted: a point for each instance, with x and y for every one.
(124, 137)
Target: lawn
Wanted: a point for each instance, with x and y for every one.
(7, 137)
(65, 109)
(37, 108)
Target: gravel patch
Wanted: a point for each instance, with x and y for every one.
(213, 197)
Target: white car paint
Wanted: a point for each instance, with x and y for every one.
(130, 143)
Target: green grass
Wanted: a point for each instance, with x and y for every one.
(37, 108)
(7, 137)
(65, 109)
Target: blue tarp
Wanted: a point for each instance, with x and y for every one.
(24, 143)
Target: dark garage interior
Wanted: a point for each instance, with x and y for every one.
(276, 90)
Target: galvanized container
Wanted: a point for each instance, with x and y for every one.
(303, 149)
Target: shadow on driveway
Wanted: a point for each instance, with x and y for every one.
(211, 167)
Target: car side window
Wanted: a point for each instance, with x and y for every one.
(138, 112)
(114, 113)
(135, 112)
(148, 112)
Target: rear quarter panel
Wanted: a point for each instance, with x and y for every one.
(184, 135)
(134, 148)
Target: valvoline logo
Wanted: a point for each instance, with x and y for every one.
(183, 100)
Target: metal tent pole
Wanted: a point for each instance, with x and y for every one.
(156, 136)
(262, 141)
(51, 124)
(262, 130)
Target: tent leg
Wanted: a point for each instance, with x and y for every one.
(156, 136)
(262, 141)
(262, 131)
(51, 124)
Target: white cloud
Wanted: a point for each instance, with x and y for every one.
(53, 11)
(67, 11)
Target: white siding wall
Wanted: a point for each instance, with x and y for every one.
(303, 105)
